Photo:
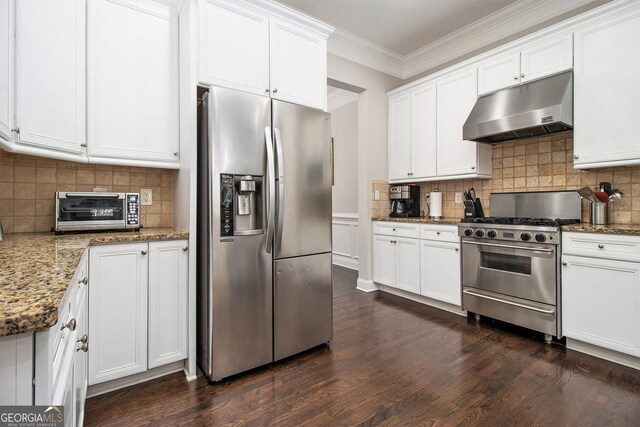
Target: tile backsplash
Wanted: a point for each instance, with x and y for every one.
(27, 186)
(536, 164)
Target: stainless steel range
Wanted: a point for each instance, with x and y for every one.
(511, 261)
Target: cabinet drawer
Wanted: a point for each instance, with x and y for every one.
(400, 229)
(441, 233)
(608, 246)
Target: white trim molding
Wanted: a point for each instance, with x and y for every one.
(366, 285)
(345, 240)
(497, 26)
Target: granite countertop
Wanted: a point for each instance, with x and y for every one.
(36, 268)
(628, 229)
(444, 221)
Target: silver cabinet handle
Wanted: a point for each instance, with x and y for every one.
(522, 75)
(84, 280)
(515, 77)
(524, 248)
(393, 229)
(575, 156)
(185, 248)
(143, 252)
(175, 153)
(271, 188)
(438, 233)
(71, 325)
(528, 307)
(600, 246)
(84, 339)
(275, 90)
(267, 90)
(564, 263)
(457, 249)
(83, 347)
(473, 168)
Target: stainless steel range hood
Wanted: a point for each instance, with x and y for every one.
(533, 109)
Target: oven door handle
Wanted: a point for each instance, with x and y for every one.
(528, 307)
(524, 248)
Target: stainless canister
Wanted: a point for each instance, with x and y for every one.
(599, 213)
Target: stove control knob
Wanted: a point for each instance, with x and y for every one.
(540, 237)
(468, 232)
(525, 236)
(479, 232)
(492, 234)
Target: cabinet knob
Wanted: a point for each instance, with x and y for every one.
(522, 75)
(143, 252)
(84, 339)
(84, 347)
(575, 156)
(600, 246)
(564, 263)
(473, 168)
(83, 145)
(275, 90)
(185, 248)
(84, 281)
(267, 90)
(175, 153)
(515, 77)
(438, 233)
(394, 229)
(71, 325)
(457, 249)
(16, 130)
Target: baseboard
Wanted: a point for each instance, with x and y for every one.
(345, 261)
(117, 384)
(366, 285)
(189, 378)
(604, 353)
(451, 308)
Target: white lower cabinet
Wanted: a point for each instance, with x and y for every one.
(126, 279)
(440, 271)
(601, 291)
(396, 262)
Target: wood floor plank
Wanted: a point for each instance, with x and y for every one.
(395, 362)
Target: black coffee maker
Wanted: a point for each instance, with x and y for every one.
(405, 201)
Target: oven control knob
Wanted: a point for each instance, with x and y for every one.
(468, 232)
(540, 237)
(492, 234)
(525, 236)
(479, 232)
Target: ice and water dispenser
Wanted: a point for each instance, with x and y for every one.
(241, 205)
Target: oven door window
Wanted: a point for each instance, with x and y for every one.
(89, 209)
(508, 263)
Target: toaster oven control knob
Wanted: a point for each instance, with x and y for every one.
(540, 237)
(479, 232)
(525, 236)
(492, 234)
(468, 232)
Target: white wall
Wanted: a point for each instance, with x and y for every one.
(344, 130)
(372, 144)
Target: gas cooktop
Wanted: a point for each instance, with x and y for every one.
(533, 222)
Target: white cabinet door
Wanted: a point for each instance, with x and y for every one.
(400, 137)
(384, 260)
(499, 73)
(80, 362)
(133, 81)
(546, 57)
(168, 263)
(117, 311)
(606, 91)
(407, 260)
(51, 76)
(234, 46)
(601, 303)
(6, 67)
(440, 271)
(298, 64)
(456, 97)
(423, 134)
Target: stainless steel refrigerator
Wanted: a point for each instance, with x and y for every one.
(263, 231)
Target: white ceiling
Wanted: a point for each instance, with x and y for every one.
(403, 26)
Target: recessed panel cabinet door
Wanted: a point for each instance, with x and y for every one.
(546, 57)
(456, 98)
(499, 73)
(168, 263)
(400, 137)
(51, 74)
(6, 68)
(384, 260)
(440, 271)
(298, 64)
(133, 81)
(234, 46)
(423, 132)
(407, 264)
(118, 280)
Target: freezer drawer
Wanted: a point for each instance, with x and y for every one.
(303, 306)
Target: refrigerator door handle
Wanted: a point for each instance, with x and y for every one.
(271, 189)
(280, 163)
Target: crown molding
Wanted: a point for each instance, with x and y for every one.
(350, 46)
(492, 28)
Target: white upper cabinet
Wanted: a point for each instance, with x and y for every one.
(298, 64)
(234, 46)
(400, 137)
(244, 46)
(133, 82)
(606, 93)
(6, 67)
(536, 60)
(51, 76)
(456, 98)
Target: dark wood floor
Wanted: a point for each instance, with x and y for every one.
(396, 362)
